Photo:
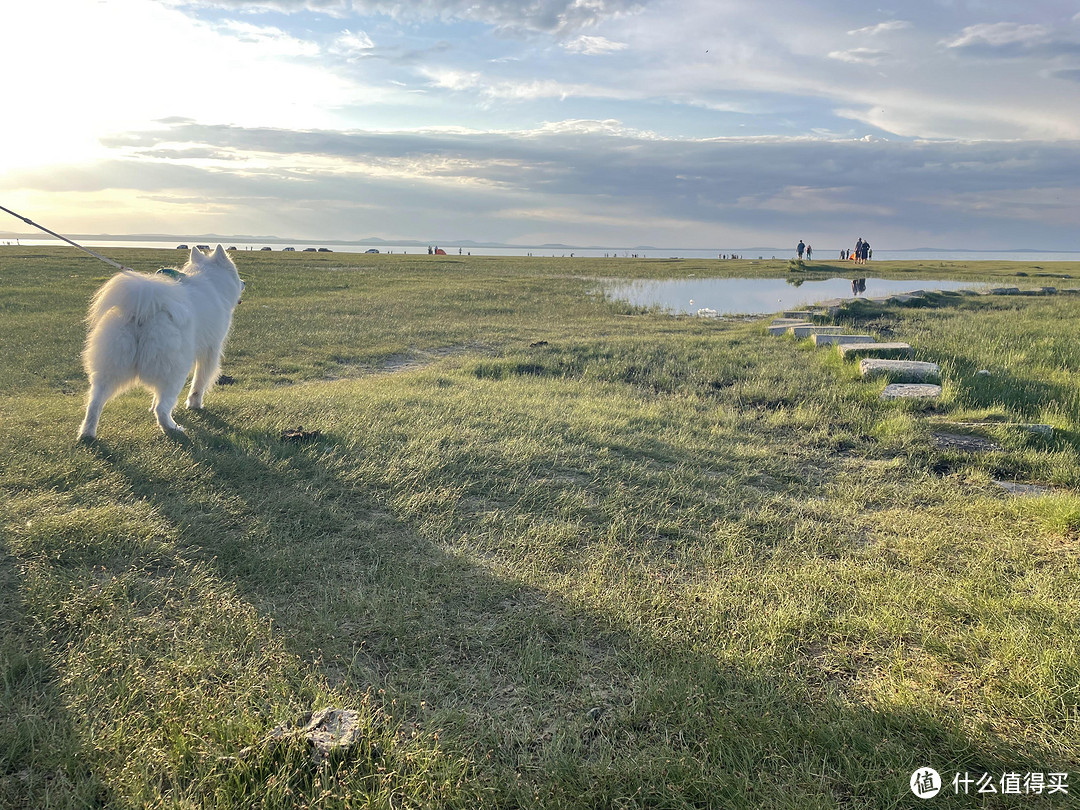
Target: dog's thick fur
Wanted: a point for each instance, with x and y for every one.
(149, 330)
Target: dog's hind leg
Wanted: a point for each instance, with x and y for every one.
(100, 393)
(206, 371)
(164, 402)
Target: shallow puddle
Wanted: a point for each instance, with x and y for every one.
(760, 296)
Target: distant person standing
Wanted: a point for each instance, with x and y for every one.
(866, 252)
(799, 248)
(809, 252)
(858, 251)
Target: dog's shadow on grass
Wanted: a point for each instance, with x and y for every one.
(549, 700)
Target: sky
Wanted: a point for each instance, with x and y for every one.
(708, 124)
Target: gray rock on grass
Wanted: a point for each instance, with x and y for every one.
(834, 340)
(885, 351)
(911, 391)
(913, 371)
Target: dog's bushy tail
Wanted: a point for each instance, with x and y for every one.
(136, 295)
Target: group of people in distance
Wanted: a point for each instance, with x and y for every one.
(861, 254)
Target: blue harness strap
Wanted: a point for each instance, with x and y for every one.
(172, 273)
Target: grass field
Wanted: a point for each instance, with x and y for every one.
(555, 551)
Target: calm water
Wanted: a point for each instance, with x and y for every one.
(759, 296)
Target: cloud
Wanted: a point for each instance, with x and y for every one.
(657, 188)
(1000, 34)
(352, 44)
(860, 56)
(880, 28)
(1006, 39)
(561, 17)
(594, 46)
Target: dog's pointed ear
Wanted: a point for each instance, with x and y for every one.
(219, 254)
(197, 256)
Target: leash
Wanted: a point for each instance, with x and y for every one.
(117, 265)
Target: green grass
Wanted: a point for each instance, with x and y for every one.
(646, 562)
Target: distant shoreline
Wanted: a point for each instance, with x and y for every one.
(823, 254)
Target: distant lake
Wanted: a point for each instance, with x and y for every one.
(759, 296)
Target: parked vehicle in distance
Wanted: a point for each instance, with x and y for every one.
(288, 250)
(325, 250)
(267, 248)
(203, 247)
(372, 250)
(309, 250)
(182, 247)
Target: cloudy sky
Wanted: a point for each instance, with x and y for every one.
(706, 124)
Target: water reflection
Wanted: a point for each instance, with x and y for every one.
(760, 296)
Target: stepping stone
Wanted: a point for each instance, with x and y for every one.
(889, 351)
(1014, 488)
(788, 321)
(1002, 291)
(788, 313)
(964, 443)
(802, 331)
(1042, 430)
(833, 340)
(899, 370)
(911, 391)
(781, 328)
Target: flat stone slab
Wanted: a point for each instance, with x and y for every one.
(890, 351)
(836, 339)
(911, 391)
(781, 328)
(791, 313)
(964, 443)
(802, 331)
(872, 368)
(788, 321)
(1014, 488)
(1042, 430)
(1002, 291)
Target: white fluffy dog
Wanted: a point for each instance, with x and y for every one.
(150, 330)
